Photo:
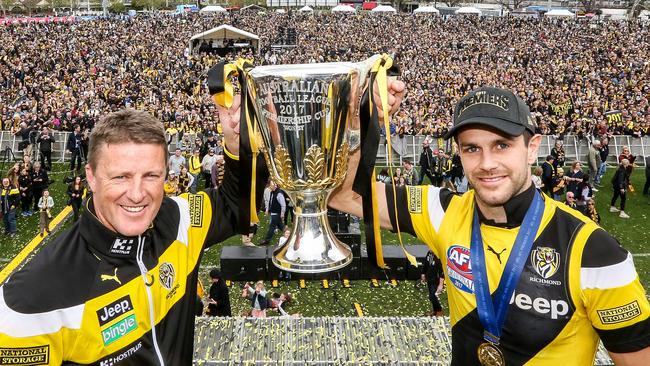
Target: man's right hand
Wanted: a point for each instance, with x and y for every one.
(396, 92)
(346, 200)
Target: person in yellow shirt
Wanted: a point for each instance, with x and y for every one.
(194, 168)
(171, 184)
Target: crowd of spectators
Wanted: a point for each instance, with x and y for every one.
(584, 78)
(577, 77)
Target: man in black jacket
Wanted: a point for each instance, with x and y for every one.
(45, 141)
(275, 209)
(75, 147)
(620, 182)
(427, 162)
(40, 181)
(548, 173)
(218, 300)
(434, 277)
(604, 153)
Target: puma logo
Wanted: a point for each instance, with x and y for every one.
(495, 253)
(113, 277)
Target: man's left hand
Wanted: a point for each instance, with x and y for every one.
(229, 118)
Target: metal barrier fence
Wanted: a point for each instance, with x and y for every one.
(408, 147)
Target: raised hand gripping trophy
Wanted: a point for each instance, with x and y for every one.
(304, 113)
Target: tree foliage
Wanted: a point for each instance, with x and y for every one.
(513, 4)
(6, 5)
(148, 4)
(636, 6)
(453, 3)
(30, 5)
(589, 6)
(58, 4)
(117, 6)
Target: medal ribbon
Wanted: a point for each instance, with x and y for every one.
(493, 321)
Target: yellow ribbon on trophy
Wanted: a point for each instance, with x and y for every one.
(382, 84)
(223, 92)
(365, 183)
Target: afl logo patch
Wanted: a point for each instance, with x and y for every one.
(545, 261)
(167, 275)
(459, 268)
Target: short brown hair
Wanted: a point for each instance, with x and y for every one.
(127, 125)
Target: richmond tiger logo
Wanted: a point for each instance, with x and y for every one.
(546, 261)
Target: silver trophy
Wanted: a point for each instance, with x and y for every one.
(304, 114)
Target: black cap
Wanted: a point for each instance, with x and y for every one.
(498, 108)
(215, 273)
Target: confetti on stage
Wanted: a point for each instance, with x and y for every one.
(291, 341)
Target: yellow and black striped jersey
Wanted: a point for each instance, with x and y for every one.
(578, 284)
(94, 297)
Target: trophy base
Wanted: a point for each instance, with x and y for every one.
(312, 247)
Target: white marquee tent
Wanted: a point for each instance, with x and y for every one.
(213, 9)
(306, 9)
(559, 13)
(343, 9)
(468, 10)
(226, 32)
(384, 9)
(426, 10)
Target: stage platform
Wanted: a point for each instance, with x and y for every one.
(327, 341)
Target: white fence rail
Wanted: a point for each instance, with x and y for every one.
(408, 147)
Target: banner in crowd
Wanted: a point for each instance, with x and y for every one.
(614, 117)
(24, 20)
(561, 109)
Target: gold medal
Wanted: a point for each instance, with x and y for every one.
(489, 354)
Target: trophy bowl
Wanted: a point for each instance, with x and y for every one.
(304, 113)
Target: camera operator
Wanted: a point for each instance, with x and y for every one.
(25, 144)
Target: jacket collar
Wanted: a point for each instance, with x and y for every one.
(516, 209)
(105, 241)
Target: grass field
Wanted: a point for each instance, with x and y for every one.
(407, 298)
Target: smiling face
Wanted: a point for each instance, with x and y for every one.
(497, 166)
(127, 185)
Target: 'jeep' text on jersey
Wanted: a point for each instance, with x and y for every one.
(578, 283)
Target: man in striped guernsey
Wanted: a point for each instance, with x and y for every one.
(576, 284)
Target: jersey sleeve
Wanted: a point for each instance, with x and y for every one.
(615, 300)
(224, 205)
(29, 339)
(420, 210)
